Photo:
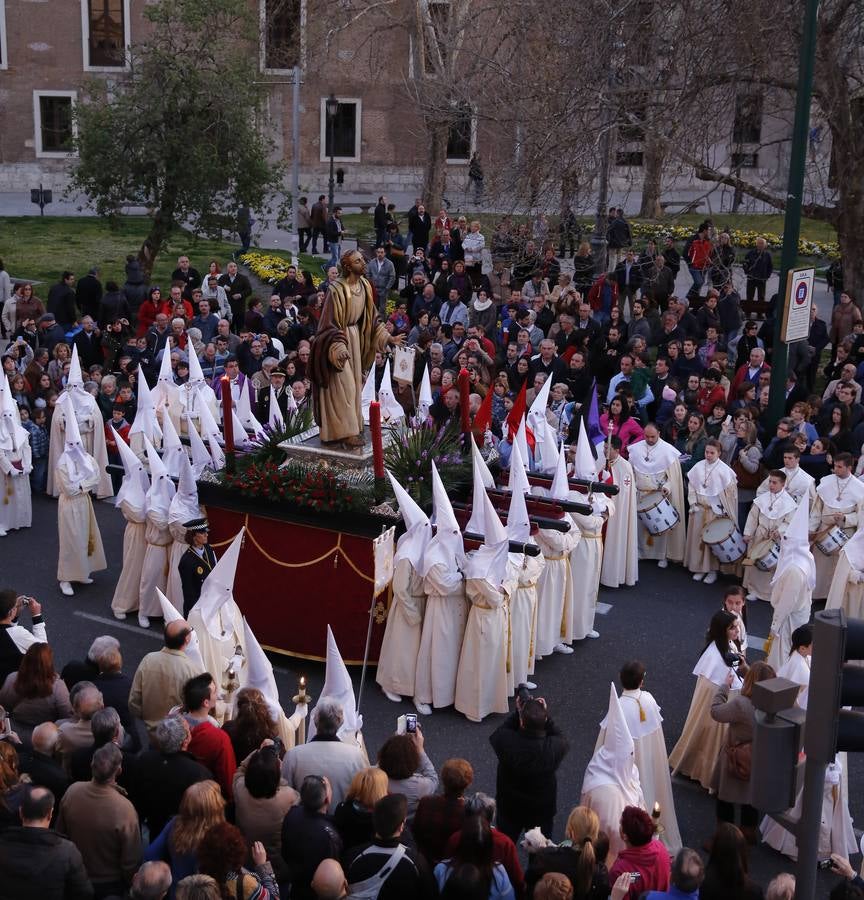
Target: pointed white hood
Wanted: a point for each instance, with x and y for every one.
(184, 505)
(338, 686)
(210, 430)
(259, 671)
(275, 420)
(518, 523)
(368, 393)
(424, 398)
(480, 467)
(560, 489)
(489, 561)
(173, 451)
(78, 463)
(196, 373)
(145, 413)
(13, 435)
(522, 441)
(136, 481)
(246, 417)
(546, 453)
(445, 547)
(614, 761)
(518, 480)
(537, 412)
(75, 379)
(795, 545)
(171, 614)
(391, 408)
(200, 456)
(218, 588)
(476, 524)
(162, 488)
(418, 532)
(585, 466)
(166, 388)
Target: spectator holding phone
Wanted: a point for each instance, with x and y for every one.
(408, 768)
(16, 639)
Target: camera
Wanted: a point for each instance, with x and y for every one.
(523, 694)
(25, 601)
(278, 746)
(733, 660)
(825, 864)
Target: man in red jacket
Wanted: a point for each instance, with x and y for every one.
(210, 745)
(699, 258)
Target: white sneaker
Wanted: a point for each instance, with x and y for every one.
(394, 697)
(593, 634)
(86, 581)
(66, 588)
(562, 648)
(143, 621)
(529, 684)
(423, 708)
(3, 532)
(751, 597)
(698, 576)
(710, 578)
(120, 615)
(662, 563)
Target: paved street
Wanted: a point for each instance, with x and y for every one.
(662, 622)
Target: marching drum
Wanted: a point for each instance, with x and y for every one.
(833, 540)
(724, 539)
(656, 513)
(766, 555)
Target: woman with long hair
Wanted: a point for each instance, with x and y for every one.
(691, 443)
(60, 357)
(518, 373)
(579, 857)
(624, 426)
(27, 304)
(839, 433)
(148, 311)
(252, 724)
(178, 843)
(353, 816)
(726, 874)
(221, 855)
(475, 850)
(701, 739)
(35, 693)
(676, 426)
(11, 786)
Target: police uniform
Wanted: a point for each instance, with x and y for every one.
(194, 567)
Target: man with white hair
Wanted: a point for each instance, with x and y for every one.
(325, 755)
(87, 669)
(77, 732)
(40, 761)
(151, 882)
(750, 371)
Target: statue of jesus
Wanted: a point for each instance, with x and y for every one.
(348, 336)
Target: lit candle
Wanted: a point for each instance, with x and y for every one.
(377, 443)
(227, 422)
(464, 391)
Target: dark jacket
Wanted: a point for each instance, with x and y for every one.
(36, 862)
(565, 859)
(61, 302)
(758, 265)
(89, 350)
(158, 782)
(88, 295)
(618, 234)
(410, 879)
(526, 784)
(354, 823)
(114, 305)
(307, 838)
(44, 771)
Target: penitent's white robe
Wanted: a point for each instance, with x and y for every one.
(555, 589)
(92, 437)
(441, 637)
(621, 544)
(524, 572)
(154, 570)
(17, 508)
(217, 651)
(178, 546)
(585, 562)
(845, 594)
(81, 551)
(397, 662)
(127, 594)
(791, 598)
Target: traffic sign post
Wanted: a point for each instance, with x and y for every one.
(796, 305)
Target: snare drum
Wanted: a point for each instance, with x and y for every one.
(656, 513)
(833, 540)
(766, 555)
(724, 539)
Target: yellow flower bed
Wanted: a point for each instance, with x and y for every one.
(271, 268)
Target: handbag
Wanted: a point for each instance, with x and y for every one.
(739, 758)
(748, 480)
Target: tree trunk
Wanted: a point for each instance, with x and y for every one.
(435, 176)
(654, 161)
(850, 236)
(160, 227)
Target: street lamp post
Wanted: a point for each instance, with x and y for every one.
(332, 109)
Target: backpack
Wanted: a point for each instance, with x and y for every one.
(369, 888)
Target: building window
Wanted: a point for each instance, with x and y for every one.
(435, 36)
(4, 62)
(747, 126)
(460, 140)
(54, 123)
(281, 30)
(745, 161)
(105, 27)
(346, 130)
(629, 158)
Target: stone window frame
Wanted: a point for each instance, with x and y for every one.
(85, 40)
(262, 41)
(358, 130)
(464, 161)
(37, 125)
(4, 57)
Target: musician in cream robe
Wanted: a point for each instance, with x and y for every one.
(611, 779)
(712, 493)
(397, 661)
(446, 606)
(132, 502)
(847, 585)
(766, 523)
(657, 467)
(184, 508)
(645, 724)
(16, 464)
(90, 430)
(620, 545)
(695, 754)
(839, 503)
(154, 570)
(555, 585)
(792, 586)
(798, 482)
(481, 684)
(77, 474)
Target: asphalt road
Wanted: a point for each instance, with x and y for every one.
(662, 621)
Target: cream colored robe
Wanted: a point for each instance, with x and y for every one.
(127, 594)
(698, 556)
(441, 637)
(81, 551)
(154, 570)
(670, 544)
(481, 685)
(791, 598)
(174, 587)
(620, 546)
(523, 571)
(845, 594)
(585, 562)
(397, 662)
(758, 528)
(555, 589)
(820, 520)
(17, 511)
(92, 437)
(608, 801)
(217, 652)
